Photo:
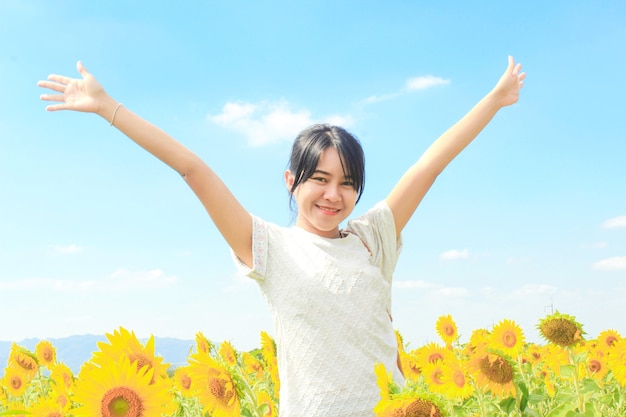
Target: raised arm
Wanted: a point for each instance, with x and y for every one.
(85, 94)
(415, 183)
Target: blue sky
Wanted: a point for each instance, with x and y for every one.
(96, 234)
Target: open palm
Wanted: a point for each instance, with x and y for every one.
(75, 94)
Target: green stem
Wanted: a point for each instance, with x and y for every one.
(479, 396)
(579, 397)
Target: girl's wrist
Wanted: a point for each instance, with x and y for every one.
(107, 108)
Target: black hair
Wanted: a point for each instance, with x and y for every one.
(307, 149)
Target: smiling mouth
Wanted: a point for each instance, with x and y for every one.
(328, 210)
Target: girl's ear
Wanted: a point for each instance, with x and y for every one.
(289, 180)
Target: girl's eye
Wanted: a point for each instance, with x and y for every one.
(348, 183)
(319, 179)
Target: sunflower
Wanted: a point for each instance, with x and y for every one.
(595, 365)
(608, 338)
(268, 352)
(494, 373)
(561, 329)
(617, 362)
(430, 353)
(46, 407)
(533, 353)
(266, 404)
(119, 389)
(420, 407)
(203, 344)
(507, 337)
(383, 379)
(253, 367)
(46, 353)
(61, 398)
(456, 381)
(24, 360)
(390, 408)
(182, 381)
(227, 352)
(268, 347)
(408, 407)
(215, 386)
(447, 330)
(14, 381)
(62, 377)
(479, 339)
(555, 357)
(410, 368)
(125, 344)
(433, 373)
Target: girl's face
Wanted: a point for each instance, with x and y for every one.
(326, 198)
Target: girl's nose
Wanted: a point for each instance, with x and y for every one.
(332, 193)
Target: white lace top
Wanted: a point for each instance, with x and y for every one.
(331, 302)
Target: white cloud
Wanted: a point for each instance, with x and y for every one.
(611, 264)
(412, 84)
(69, 249)
(424, 82)
(384, 97)
(454, 254)
(269, 122)
(619, 221)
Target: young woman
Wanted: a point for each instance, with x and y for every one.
(328, 288)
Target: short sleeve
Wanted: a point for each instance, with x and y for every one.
(377, 230)
(259, 251)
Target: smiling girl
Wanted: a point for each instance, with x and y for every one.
(329, 289)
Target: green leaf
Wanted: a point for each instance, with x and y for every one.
(590, 386)
(568, 371)
(560, 410)
(529, 412)
(537, 398)
(508, 405)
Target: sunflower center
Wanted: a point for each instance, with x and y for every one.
(496, 369)
(67, 380)
(140, 359)
(185, 382)
(216, 388)
(437, 377)
(48, 356)
(16, 382)
(422, 408)
(459, 379)
(448, 330)
(25, 362)
(595, 365)
(435, 357)
(561, 331)
(509, 339)
(121, 402)
(611, 340)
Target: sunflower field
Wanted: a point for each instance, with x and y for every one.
(495, 373)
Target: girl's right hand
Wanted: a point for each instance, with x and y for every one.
(84, 95)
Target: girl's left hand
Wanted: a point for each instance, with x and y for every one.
(509, 84)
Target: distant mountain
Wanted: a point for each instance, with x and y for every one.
(76, 350)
